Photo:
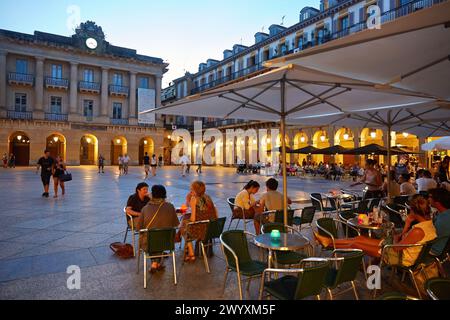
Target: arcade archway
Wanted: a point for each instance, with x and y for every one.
(345, 138)
(321, 141)
(19, 146)
(146, 145)
(88, 150)
(118, 148)
(56, 144)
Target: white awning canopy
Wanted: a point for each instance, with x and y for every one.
(411, 52)
(442, 144)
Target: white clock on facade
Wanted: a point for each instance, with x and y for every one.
(91, 43)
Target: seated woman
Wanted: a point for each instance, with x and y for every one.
(157, 214)
(246, 201)
(202, 209)
(423, 231)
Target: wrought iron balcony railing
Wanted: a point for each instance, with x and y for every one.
(56, 83)
(20, 79)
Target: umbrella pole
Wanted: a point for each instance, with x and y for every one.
(283, 150)
(389, 127)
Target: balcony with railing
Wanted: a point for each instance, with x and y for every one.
(21, 79)
(56, 117)
(89, 87)
(227, 78)
(19, 115)
(89, 118)
(116, 90)
(56, 83)
(394, 13)
(119, 122)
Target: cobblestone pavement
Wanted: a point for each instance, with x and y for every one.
(40, 238)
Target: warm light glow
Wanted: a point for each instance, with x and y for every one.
(88, 140)
(406, 134)
(373, 134)
(242, 142)
(254, 141)
(145, 142)
(19, 138)
(118, 141)
(268, 140)
(346, 136)
(55, 139)
(302, 139)
(169, 137)
(323, 137)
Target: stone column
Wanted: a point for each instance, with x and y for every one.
(105, 96)
(38, 112)
(3, 106)
(73, 98)
(132, 108)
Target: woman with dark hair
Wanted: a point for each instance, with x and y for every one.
(443, 170)
(418, 229)
(138, 200)
(157, 214)
(245, 200)
(58, 169)
(372, 179)
(202, 208)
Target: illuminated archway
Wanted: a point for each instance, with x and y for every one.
(19, 146)
(56, 144)
(88, 150)
(370, 136)
(345, 138)
(300, 141)
(321, 141)
(118, 148)
(146, 145)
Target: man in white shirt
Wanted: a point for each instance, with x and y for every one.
(406, 187)
(425, 181)
(126, 161)
(184, 161)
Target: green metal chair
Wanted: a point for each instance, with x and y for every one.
(438, 288)
(232, 205)
(213, 231)
(279, 216)
(443, 257)
(329, 227)
(317, 202)
(286, 257)
(159, 242)
(418, 265)
(307, 217)
(238, 259)
(298, 283)
(190, 238)
(345, 266)
(130, 228)
(396, 296)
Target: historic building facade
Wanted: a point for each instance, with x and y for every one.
(335, 19)
(77, 96)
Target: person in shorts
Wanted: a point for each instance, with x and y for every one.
(146, 165)
(46, 164)
(58, 169)
(125, 161)
(101, 164)
(154, 164)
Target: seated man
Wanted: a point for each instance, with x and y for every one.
(272, 199)
(440, 199)
(157, 214)
(406, 187)
(138, 200)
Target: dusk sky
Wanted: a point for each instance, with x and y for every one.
(183, 33)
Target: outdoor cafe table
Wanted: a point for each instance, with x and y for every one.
(370, 227)
(287, 242)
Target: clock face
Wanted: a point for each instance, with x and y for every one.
(91, 43)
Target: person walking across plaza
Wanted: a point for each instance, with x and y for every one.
(125, 161)
(184, 160)
(154, 164)
(46, 164)
(160, 161)
(101, 164)
(146, 165)
(5, 160)
(58, 169)
(120, 163)
(12, 161)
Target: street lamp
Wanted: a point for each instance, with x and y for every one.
(406, 134)
(118, 141)
(302, 139)
(55, 138)
(19, 138)
(88, 140)
(323, 137)
(373, 134)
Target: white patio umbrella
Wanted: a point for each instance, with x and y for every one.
(441, 144)
(411, 52)
(287, 93)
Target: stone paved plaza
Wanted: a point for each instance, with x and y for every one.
(40, 238)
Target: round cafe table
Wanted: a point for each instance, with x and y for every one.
(287, 242)
(370, 227)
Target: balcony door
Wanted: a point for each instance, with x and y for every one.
(117, 79)
(88, 108)
(21, 66)
(117, 110)
(56, 105)
(56, 71)
(88, 75)
(20, 102)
